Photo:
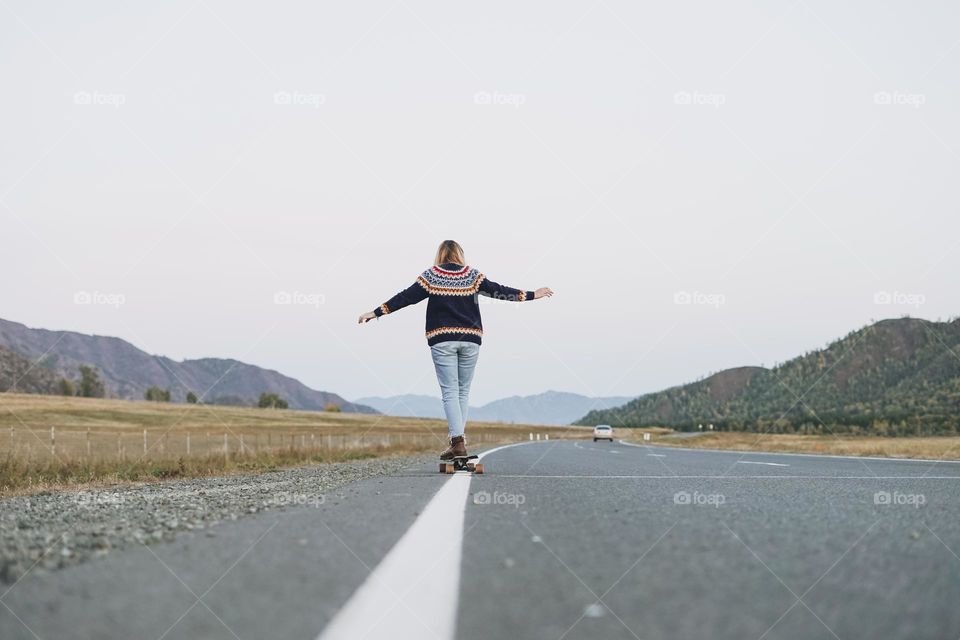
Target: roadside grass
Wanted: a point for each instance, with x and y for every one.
(52, 442)
(29, 476)
(933, 448)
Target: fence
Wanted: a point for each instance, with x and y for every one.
(131, 444)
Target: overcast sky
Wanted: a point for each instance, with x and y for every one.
(703, 184)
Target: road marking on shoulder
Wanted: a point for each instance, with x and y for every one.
(769, 464)
(415, 590)
(638, 446)
(656, 455)
(723, 477)
(798, 455)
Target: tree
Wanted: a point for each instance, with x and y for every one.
(191, 397)
(271, 401)
(333, 408)
(90, 384)
(66, 387)
(156, 394)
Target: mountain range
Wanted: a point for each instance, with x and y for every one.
(127, 371)
(550, 407)
(894, 377)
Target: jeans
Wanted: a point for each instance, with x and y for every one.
(454, 362)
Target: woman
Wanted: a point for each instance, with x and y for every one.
(453, 328)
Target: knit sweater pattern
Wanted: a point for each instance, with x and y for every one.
(453, 308)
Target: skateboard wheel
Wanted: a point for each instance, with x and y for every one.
(450, 468)
(478, 468)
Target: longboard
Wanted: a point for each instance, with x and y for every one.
(461, 463)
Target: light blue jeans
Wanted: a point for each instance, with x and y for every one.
(454, 362)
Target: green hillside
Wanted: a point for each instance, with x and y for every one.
(895, 377)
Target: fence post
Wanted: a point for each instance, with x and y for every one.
(144, 442)
(88, 442)
(53, 441)
(241, 444)
(226, 446)
(188, 443)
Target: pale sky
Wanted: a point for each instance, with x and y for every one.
(787, 168)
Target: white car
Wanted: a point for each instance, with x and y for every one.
(603, 432)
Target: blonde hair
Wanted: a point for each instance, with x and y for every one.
(449, 251)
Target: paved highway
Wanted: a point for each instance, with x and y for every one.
(560, 539)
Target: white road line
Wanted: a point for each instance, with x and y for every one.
(769, 464)
(656, 455)
(630, 444)
(799, 455)
(414, 591)
(590, 449)
(723, 477)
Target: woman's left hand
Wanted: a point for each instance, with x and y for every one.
(367, 317)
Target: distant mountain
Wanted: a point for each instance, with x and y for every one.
(409, 405)
(127, 371)
(550, 407)
(20, 375)
(895, 377)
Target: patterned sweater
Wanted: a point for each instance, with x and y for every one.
(453, 310)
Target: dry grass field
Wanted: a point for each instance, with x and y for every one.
(49, 442)
(945, 448)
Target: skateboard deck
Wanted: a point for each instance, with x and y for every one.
(461, 463)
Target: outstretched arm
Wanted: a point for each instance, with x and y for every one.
(503, 292)
(411, 295)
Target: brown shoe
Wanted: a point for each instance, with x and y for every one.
(457, 448)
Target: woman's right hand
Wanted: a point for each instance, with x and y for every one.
(367, 317)
(542, 292)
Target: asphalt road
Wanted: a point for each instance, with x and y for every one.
(559, 539)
